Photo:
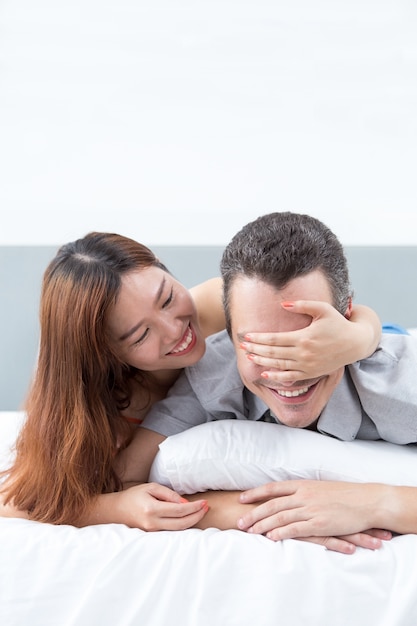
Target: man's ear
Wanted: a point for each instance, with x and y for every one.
(348, 312)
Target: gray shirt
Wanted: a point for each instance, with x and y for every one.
(376, 398)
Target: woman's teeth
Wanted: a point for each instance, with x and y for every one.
(184, 344)
(292, 394)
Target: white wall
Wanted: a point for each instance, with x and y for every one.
(178, 121)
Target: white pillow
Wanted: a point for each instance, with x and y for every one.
(238, 454)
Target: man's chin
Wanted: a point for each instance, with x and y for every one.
(294, 421)
(299, 425)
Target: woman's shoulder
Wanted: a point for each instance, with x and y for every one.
(207, 297)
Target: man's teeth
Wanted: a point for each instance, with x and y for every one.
(292, 394)
(185, 343)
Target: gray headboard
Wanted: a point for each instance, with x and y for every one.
(382, 277)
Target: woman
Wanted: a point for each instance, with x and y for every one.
(116, 330)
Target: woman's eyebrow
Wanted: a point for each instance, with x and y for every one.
(134, 328)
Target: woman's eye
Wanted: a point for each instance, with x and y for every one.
(169, 299)
(142, 337)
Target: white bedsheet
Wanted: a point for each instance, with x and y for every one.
(116, 576)
(111, 575)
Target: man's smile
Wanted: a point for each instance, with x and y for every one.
(294, 396)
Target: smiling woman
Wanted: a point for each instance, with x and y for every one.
(111, 314)
(153, 326)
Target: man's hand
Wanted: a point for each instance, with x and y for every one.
(337, 514)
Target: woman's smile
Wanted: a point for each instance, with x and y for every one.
(186, 343)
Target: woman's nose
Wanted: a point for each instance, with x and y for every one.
(171, 330)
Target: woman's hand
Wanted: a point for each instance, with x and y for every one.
(330, 341)
(301, 509)
(148, 506)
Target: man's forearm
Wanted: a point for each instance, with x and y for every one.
(397, 509)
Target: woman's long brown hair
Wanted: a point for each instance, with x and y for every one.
(65, 451)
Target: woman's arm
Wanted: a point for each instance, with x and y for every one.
(8, 510)
(149, 507)
(329, 342)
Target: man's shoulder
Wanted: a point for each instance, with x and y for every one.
(391, 348)
(217, 366)
(219, 349)
(391, 369)
(220, 341)
(396, 342)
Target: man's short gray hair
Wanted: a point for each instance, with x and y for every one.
(278, 247)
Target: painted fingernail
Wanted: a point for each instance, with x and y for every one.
(287, 305)
(184, 500)
(264, 375)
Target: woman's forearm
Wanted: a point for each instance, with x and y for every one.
(225, 509)
(9, 510)
(366, 333)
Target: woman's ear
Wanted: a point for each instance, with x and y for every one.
(348, 312)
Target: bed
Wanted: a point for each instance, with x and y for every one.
(113, 575)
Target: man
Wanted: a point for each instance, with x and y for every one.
(272, 262)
